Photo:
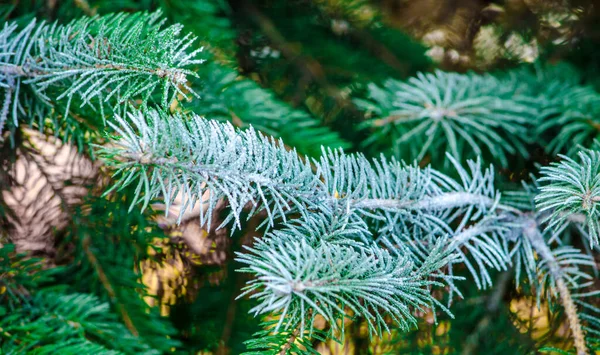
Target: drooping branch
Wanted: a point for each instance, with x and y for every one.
(531, 231)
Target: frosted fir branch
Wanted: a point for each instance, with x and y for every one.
(571, 193)
(413, 212)
(296, 277)
(207, 161)
(100, 61)
(176, 76)
(166, 155)
(397, 198)
(532, 233)
(433, 113)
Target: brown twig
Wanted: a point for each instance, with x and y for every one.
(7, 101)
(532, 232)
(86, 244)
(290, 341)
(85, 7)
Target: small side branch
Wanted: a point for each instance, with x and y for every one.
(8, 94)
(107, 285)
(176, 76)
(532, 232)
(290, 341)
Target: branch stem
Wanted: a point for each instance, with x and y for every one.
(177, 76)
(7, 101)
(290, 341)
(106, 283)
(444, 201)
(532, 232)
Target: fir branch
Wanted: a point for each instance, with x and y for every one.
(74, 323)
(297, 277)
(289, 342)
(175, 155)
(168, 156)
(572, 191)
(195, 156)
(103, 62)
(570, 118)
(531, 231)
(465, 115)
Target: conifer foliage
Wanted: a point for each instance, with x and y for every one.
(204, 208)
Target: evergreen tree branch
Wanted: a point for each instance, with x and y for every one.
(571, 193)
(93, 61)
(268, 177)
(291, 340)
(465, 115)
(177, 155)
(532, 232)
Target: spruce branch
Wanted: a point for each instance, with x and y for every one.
(70, 323)
(566, 110)
(313, 275)
(557, 273)
(570, 117)
(466, 115)
(422, 221)
(194, 156)
(206, 161)
(292, 342)
(572, 191)
(165, 155)
(104, 62)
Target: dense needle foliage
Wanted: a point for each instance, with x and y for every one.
(299, 177)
